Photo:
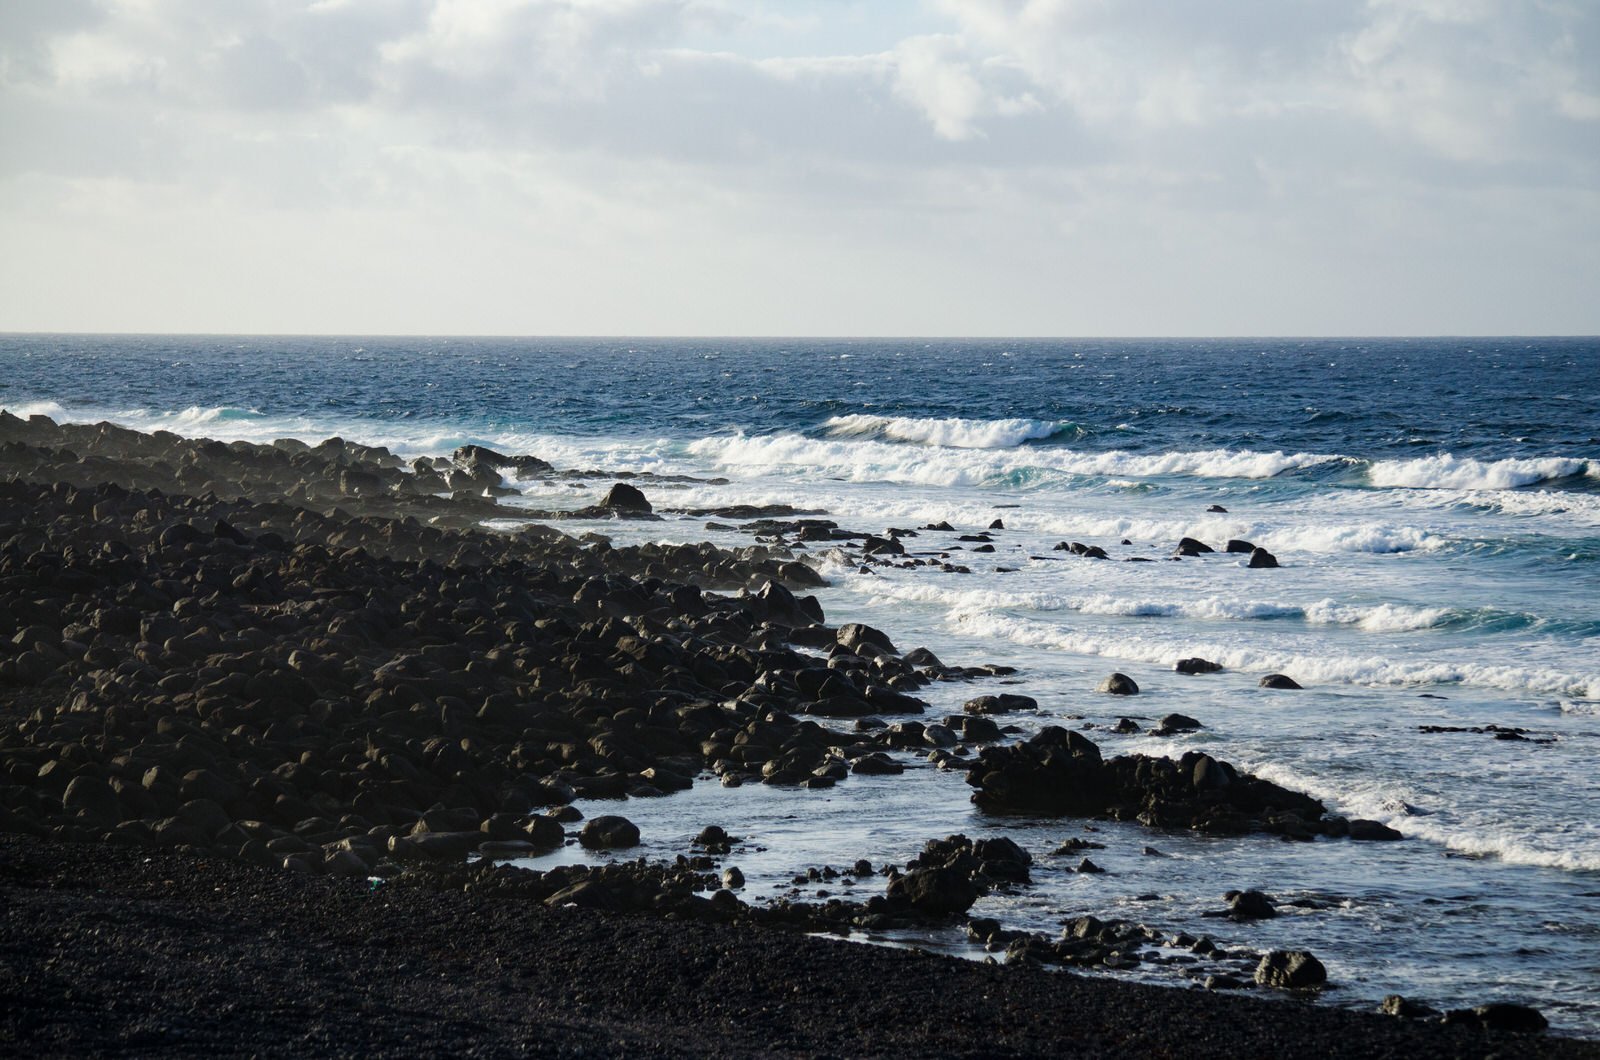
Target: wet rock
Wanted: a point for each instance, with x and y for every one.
(1003, 703)
(855, 635)
(939, 891)
(1059, 772)
(609, 832)
(1278, 681)
(1119, 685)
(1291, 970)
(1188, 546)
(1197, 665)
(1173, 724)
(1372, 831)
(625, 498)
(1261, 559)
(1250, 905)
(1239, 545)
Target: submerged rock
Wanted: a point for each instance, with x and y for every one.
(1119, 685)
(1278, 681)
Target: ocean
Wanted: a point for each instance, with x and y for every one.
(1434, 505)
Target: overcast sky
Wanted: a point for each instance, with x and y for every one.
(820, 167)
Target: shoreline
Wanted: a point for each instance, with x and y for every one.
(359, 684)
(114, 950)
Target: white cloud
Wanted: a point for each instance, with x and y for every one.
(1032, 165)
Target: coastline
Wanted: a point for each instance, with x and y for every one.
(293, 683)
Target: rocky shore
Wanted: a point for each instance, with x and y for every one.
(260, 705)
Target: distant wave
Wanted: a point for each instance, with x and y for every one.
(954, 433)
(195, 417)
(1329, 668)
(871, 460)
(1445, 471)
(1372, 618)
(1379, 538)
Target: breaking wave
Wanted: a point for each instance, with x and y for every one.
(1445, 471)
(954, 433)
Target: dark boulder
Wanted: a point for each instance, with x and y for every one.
(609, 832)
(1278, 681)
(939, 891)
(1197, 665)
(1173, 724)
(1239, 545)
(1188, 546)
(625, 498)
(855, 635)
(1291, 970)
(1261, 559)
(1372, 831)
(1004, 703)
(1251, 905)
(92, 798)
(1119, 685)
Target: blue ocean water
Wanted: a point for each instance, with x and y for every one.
(1435, 504)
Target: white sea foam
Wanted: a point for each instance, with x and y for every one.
(1322, 538)
(1574, 847)
(1445, 471)
(954, 432)
(1325, 668)
(868, 460)
(1378, 618)
(24, 409)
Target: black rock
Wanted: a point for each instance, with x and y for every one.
(1262, 559)
(625, 498)
(1251, 905)
(1119, 685)
(1365, 830)
(1197, 665)
(1004, 703)
(1278, 681)
(855, 634)
(609, 832)
(1291, 970)
(938, 891)
(1173, 724)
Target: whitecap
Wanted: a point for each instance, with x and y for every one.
(1446, 471)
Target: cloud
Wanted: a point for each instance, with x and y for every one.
(1038, 164)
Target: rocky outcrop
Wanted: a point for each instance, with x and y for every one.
(1059, 772)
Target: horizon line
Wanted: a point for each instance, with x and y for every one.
(809, 337)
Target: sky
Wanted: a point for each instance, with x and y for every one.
(820, 167)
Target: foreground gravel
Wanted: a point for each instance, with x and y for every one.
(107, 950)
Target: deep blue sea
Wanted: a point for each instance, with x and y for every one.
(1435, 505)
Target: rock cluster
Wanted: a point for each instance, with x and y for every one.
(1060, 772)
(340, 694)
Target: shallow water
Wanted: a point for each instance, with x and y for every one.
(1435, 505)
